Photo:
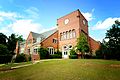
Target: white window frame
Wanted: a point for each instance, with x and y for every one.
(67, 34)
(73, 33)
(35, 50)
(51, 50)
(70, 33)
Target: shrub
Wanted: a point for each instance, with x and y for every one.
(5, 55)
(87, 56)
(55, 56)
(43, 52)
(99, 54)
(5, 59)
(59, 53)
(20, 58)
(72, 52)
(73, 56)
(29, 58)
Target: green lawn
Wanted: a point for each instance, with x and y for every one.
(9, 65)
(69, 69)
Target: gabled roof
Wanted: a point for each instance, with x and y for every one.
(35, 35)
(48, 33)
(44, 34)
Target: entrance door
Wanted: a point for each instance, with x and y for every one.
(65, 52)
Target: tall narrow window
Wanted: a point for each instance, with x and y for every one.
(73, 33)
(64, 35)
(67, 34)
(35, 51)
(28, 51)
(70, 33)
(54, 40)
(60, 36)
(51, 50)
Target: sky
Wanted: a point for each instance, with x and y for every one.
(22, 16)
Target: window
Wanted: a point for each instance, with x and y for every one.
(29, 41)
(65, 47)
(54, 40)
(35, 51)
(70, 33)
(84, 22)
(67, 34)
(61, 36)
(73, 33)
(70, 46)
(65, 53)
(51, 50)
(34, 40)
(64, 35)
(28, 51)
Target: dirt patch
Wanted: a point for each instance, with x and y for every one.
(7, 78)
(115, 65)
(3, 70)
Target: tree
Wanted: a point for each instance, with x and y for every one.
(73, 54)
(20, 58)
(113, 36)
(20, 38)
(3, 50)
(43, 52)
(8, 45)
(12, 43)
(82, 44)
(3, 39)
(103, 51)
(5, 56)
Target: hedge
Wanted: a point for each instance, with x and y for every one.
(5, 59)
(73, 56)
(55, 56)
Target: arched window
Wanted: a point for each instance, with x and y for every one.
(70, 46)
(67, 34)
(70, 33)
(61, 36)
(64, 35)
(73, 33)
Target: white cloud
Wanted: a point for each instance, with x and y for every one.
(88, 15)
(9, 16)
(20, 24)
(23, 27)
(44, 30)
(101, 25)
(4, 30)
(33, 12)
(96, 38)
(1, 19)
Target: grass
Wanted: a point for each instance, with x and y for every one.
(70, 69)
(9, 65)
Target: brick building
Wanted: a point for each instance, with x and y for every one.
(63, 38)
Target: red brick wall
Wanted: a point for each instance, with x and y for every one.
(30, 37)
(35, 57)
(48, 42)
(75, 22)
(94, 45)
(17, 48)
